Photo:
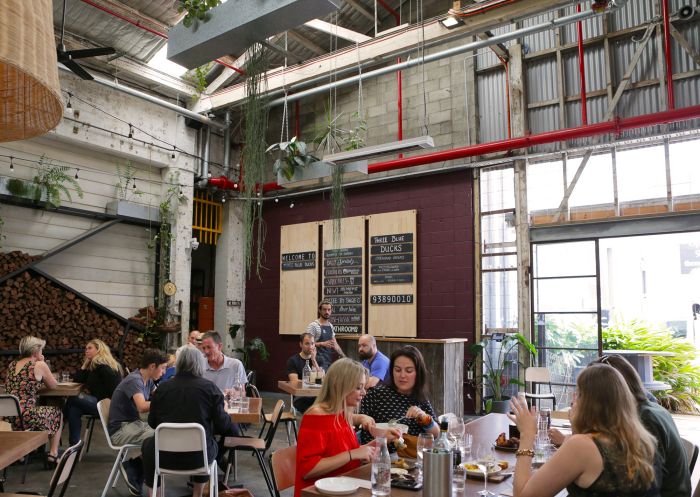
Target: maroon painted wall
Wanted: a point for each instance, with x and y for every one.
(445, 263)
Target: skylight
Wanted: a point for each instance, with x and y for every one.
(160, 62)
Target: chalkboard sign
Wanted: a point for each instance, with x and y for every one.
(391, 259)
(392, 268)
(389, 279)
(298, 260)
(392, 254)
(342, 271)
(392, 248)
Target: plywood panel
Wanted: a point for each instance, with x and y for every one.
(298, 277)
(392, 286)
(344, 274)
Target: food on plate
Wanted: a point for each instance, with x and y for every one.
(400, 444)
(399, 471)
(511, 442)
(472, 467)
(503, 464)
(400, 463)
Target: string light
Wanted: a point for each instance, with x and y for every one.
(235, 186)
(291, 206)
(172, 156)
(76, 173)
(68, 105)
(134, 186)
(12, 164)
(131, 131)
(277, 200)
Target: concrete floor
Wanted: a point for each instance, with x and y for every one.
(91, 474)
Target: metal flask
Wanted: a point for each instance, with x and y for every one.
(437, 474)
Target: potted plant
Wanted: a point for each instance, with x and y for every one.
(254, 346)
(497, 357)
(292, 158)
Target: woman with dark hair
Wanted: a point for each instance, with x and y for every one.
(670, 454)
(610, 453)
(404, 397)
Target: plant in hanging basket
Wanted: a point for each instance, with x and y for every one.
(292, 155)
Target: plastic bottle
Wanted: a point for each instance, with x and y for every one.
(381, 469)
(306, 373)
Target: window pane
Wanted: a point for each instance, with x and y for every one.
(595, 186)
(500, 299)
(563, 370)
(499, 262)
(497, 189)
(564, 259)
(498, 233)
(641, 173)
(685, 175)
(566, 331)
(545, 185)
(565, 295)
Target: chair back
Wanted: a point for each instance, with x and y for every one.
(538, 375)
(181, 437)
(254, 392)
(691, 453)
(10, 408)
(276, 416)
(284, 464)
(103, 411)
(64, 470)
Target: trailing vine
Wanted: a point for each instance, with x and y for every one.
(256, 116)
(123, 188)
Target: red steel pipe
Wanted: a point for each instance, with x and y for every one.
(399, 104)
(581, 70)
(667, 55)
(615, 126)
(223, 182)
(150, 30)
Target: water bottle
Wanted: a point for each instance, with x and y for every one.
(443, 443)
(306, 373)
(381, 469)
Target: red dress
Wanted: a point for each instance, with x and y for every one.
(320, 436)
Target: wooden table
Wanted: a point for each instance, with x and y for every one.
(251, 416)
(16, 444)
(296, 388)
(62, 390)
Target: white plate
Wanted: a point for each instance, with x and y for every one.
(478, 473)
(339, 485)
(380, 428)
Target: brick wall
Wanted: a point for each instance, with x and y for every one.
(445, 259)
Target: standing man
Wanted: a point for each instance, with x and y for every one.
(193, 338)
(295, 367)
(224, 371)
(130, 399)
(376, 362)
(322, 330)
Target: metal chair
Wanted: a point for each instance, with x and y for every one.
(62, 474)
(288, 418)
(10, 408)
(258, 446)
(537, 377)
(87, 434)
(122, 450)
(691, 453)
(183, 437)
(283, 464)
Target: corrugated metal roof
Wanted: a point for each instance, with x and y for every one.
(493, 117)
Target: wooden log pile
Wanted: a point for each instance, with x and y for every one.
(33, 305)
(11, 261)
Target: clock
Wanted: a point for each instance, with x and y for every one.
(169, 288)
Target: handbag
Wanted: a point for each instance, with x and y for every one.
(409, 450)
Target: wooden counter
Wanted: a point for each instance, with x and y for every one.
(444, 359)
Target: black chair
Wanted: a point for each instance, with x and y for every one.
(691, 453)
(62, 475)
(10, 408)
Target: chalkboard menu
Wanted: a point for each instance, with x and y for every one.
(391, 259)
(342, 286)
(298, 260)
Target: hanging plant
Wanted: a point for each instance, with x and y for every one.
(123, 188)
(197, 10)
(291, 157)
(256, 117)
(50, 181)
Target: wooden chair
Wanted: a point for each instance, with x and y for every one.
(62, 474)
(122, 450)
(258, 446)
(288, 418)
(691, 453)
(283, 464)
(10, 408)
(537, 377)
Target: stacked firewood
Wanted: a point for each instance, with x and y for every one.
(33, 305)
(148, 315)
(14, 260)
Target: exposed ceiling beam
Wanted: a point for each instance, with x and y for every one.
(332, 29)
(499, 48)
(285, 53)
(306, 43)
(383, 48)
(361, 9)
(130, 12)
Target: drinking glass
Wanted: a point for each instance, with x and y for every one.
(485, 459)
(455, 430)
(424, 442)
(65, 376)
(465, 447)
(459, 476)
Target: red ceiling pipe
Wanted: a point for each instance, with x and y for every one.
(615, 126)
(399, 104)
(581, 70)
(667, 55)
(150, 30)
(223, 183)
(391, 11)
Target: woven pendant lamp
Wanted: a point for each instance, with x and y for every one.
(30, 94)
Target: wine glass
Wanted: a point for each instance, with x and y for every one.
(424, 442)
(485, 459)
(455, 430)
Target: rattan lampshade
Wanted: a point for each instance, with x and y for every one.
(30, 94)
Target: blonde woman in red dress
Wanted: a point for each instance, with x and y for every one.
(327, 444)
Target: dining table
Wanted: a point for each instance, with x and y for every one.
(14, 445)
(296, 388)
(484, 431)
(67, 389)
(250, 415)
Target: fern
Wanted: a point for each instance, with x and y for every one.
(51, 180)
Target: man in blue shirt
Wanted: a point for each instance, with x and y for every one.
(372, 359)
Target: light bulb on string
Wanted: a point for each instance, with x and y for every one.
(235, 186)
(12, 165)
(134, 186)
(131, 131)
(76, 173)
(223, 199)
(172, 156)
(291, 206)
(277, 200)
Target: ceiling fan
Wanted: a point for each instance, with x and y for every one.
(66, 57)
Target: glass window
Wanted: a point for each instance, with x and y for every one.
(685, 175)
(641, 173)
(564, 259)
(497, 189)
(565, 295)
(567, 331)
(545, 185)
(500, 299)
(498, 233)
(595, 185)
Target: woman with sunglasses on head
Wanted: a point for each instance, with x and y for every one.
(610, 453)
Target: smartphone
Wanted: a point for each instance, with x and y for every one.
(407, 484)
